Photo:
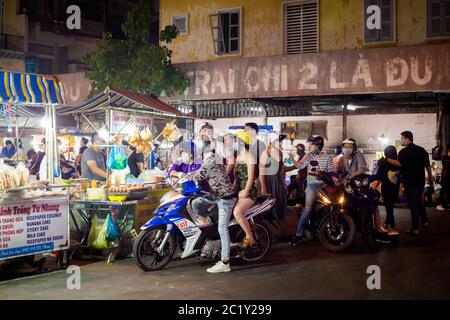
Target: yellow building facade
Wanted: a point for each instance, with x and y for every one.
(12, 38)
(340, 26)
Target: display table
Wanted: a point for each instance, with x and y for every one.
(82, 213)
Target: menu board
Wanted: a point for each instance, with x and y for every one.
(33, 226)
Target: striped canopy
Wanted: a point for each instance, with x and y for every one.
(118, 99)
(30, 89)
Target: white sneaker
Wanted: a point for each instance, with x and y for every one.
(220, 267)
(440, 208)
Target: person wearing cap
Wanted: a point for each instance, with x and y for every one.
(206, 131)
(413, 160)
(223, 194)
(8, 150)
(93, 164)
(351, 162)
(324, 164)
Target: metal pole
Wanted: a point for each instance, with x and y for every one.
(344, 121)
(17, 133)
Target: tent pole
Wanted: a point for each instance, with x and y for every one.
(17, 134)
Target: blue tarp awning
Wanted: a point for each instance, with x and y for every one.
(25, 89)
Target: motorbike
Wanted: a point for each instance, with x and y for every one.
(177, 226)
(330, 222)
(362, 204)
(344, 207)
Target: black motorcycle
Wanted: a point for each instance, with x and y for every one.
(330, 221)
(344, 207)
(362, 204)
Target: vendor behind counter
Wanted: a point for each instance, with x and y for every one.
(93, 164)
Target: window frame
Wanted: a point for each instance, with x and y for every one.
(232, 10)
(185, 16)
(428, 35)
(283, 23)
(394, 29)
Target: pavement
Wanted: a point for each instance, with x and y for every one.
(414, 267)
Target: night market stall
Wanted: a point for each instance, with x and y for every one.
(34, 215)
(122, 203)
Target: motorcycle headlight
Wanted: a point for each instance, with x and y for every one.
(341, 200)
(324, 199)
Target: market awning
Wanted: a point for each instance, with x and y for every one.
(30, 89)
(122, 100)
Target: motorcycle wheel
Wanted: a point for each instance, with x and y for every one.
(368, 229)
(337, 231)
(261, 248)
(145, 247)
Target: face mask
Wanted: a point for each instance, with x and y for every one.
(185, 158)
(347, 152)
(403, 143)
(101, 148)
(315, 152)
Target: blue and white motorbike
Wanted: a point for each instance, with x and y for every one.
(176, 226)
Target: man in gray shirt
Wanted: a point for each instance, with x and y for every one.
(92, 162)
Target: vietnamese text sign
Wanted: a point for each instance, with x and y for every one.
(399, 69)
(140, 122)
(33, 226)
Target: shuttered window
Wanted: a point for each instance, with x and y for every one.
(226, 31)
(438, 18)
(301, 27)
(387, 32)
(181, 22)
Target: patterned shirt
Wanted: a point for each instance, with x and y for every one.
(325, 163)
(213, 171)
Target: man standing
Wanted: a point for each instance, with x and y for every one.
(92, 162)
(213, 171)
(413, 160)
(257, 147)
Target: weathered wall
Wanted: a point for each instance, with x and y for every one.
(340, 26)
(12, 65)
(13, 24)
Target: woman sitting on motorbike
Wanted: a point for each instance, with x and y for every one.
(351, 163)
(325, 164)
(245, 175)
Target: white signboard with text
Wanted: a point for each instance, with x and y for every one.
(29, 227)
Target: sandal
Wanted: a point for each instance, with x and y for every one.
(246, 243)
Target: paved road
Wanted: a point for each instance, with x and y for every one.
(415, 268)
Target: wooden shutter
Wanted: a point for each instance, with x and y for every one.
(217, 34)
(387, 20)
(434, 18)
(446, 18)
(301, 27)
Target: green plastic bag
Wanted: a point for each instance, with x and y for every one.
(100, 242)
(93, 233)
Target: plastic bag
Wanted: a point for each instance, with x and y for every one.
(112, 229)
(93, 233)
(100, 241)
(117, 158)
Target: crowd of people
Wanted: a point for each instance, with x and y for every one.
(239, 168)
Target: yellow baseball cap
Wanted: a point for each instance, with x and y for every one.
(244, 136)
